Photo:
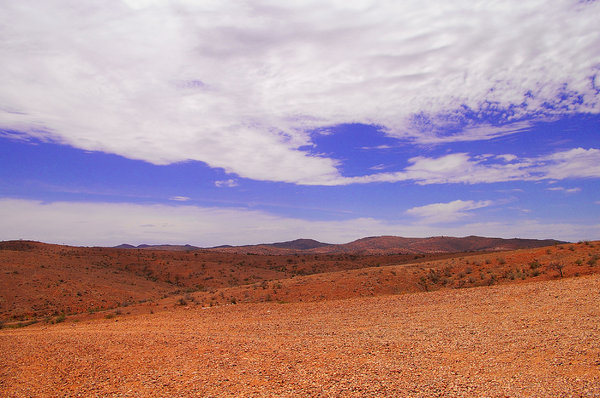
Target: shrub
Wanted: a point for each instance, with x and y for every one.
(558, 267)
(434, 276)
(535, 264)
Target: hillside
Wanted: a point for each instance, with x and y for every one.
(392, 245)
(299, 244)
(41, 281)
(512, 323)
(442, 244)
(537, 339)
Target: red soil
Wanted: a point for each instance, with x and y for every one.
(40, 280)
(537, 339)
(528, 327)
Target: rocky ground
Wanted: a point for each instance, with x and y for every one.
(533, 339)
(41, 282)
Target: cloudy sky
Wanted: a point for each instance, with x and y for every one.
(239, 122)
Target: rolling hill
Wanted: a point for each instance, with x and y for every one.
(392, 245)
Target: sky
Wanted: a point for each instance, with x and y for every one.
(245, 122)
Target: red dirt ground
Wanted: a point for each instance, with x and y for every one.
(40, 280)
(539, 339)
(334, 325)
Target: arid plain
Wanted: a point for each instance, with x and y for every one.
(130, 322)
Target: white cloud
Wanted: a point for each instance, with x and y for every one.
(230, 183)
(462, 168)
(507, 157)
(565, 190)
(180, 198)
(238, 85)
(469, 133)
(109, 224)
(574, 163)
(446, 212)
(376, 147)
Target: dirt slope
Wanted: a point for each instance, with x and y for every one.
(452, 272)
(537, 339)
(40, 280)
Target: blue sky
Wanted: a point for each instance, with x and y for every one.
(210, 123)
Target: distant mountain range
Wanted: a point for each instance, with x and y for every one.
(370, 245)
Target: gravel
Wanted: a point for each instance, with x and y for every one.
(523, 340)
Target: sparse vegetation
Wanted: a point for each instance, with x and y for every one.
(558, 267)
(535, 264)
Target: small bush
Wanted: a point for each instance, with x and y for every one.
(434, 276)
(558, 267)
